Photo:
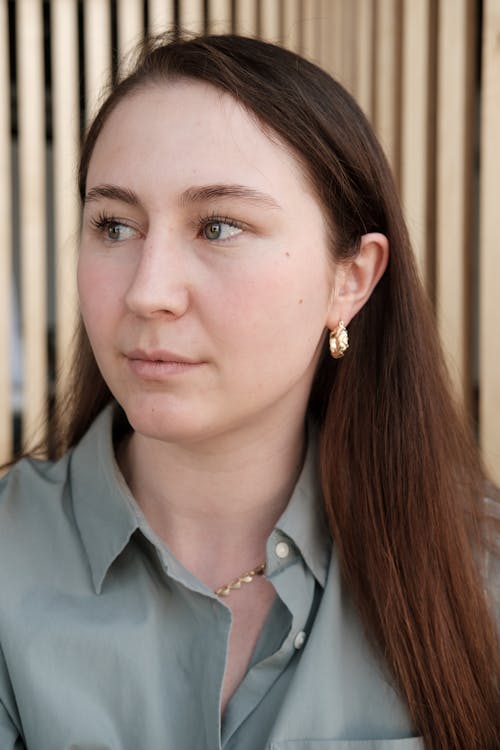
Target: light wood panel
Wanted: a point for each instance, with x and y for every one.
(364, 83)
(246, 17)
(5, 244)
(191, 16)
(130, 27)
(270, 21)
(219, 17)
(489, 238)
(65, 130)
(349, 45)
(336, 24)
(387, 25)
(415, 125)
(32, 212)
(161, 16)
(310, 9)
(454, 187)
(97, 45)
(292, 33)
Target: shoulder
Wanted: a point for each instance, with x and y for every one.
(31, 479)
(30, 484)
(33, 500)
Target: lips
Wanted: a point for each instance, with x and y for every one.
(160, 355)
(159, 364)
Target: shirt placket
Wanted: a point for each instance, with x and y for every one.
(295, 586)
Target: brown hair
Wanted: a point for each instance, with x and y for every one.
(401, 476)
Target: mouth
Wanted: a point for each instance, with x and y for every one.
(159, 364)
(160, 355)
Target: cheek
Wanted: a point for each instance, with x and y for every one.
(97, 292)
(284, 302)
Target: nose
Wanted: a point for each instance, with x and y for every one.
(159, 284)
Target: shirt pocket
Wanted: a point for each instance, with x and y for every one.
(411, 743)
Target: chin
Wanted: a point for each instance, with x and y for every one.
(169, 423)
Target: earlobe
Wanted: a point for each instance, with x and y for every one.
(357, 278)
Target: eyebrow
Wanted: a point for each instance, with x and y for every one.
(113, 192)
(207, 193)
(197, 194)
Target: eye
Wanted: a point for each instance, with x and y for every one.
(113, 230)
(117, 232)
(218, 229)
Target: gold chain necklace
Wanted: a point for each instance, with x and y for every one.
(245, 578)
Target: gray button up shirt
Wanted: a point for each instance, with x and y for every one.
(108, 643)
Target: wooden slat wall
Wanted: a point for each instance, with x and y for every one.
(411, 65)
(454, 187)
(130, 25)
(161, 15)
(219, 17)
(97, 45)
(489, 329)
(415, 125)
(65, 133)
(387, 63)
(191, 16)
(32, 212)
(364, 50)
(292, 25)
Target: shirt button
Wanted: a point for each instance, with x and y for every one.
(300, 639)
(282, 550)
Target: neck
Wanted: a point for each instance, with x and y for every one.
(215, 504)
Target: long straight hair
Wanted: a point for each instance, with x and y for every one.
(401, 476)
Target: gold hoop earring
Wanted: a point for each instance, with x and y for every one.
(339, 341)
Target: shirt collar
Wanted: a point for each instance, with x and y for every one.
(107, 515)
(303, 520)
(104, 513)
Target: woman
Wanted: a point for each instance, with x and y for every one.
(260, 531)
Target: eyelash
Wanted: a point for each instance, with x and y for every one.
(103, 221)
(203, 221)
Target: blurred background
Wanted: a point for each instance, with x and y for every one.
(427, 74)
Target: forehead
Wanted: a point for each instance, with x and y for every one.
(189, 129)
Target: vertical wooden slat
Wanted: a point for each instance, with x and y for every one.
(161, 16)
(364, 88)
(246, 17)
(270, 21)
(32, 213)
(130, 26)
(327, 36)
(219, 17)
(326, 51)
(65, 127)
(415, 124)
(454, 180)
(292, 25)
(310, 33)
(97, 23)
(349, 45)
(5, 242)
(387, 65)
(489, 254)
(337, 12)
(191, 16)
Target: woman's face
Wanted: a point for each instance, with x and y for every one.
(204, 275)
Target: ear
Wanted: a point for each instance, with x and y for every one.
(356, 279)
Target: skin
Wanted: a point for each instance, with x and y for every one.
(239, 282)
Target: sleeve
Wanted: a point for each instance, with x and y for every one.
(9, 736)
